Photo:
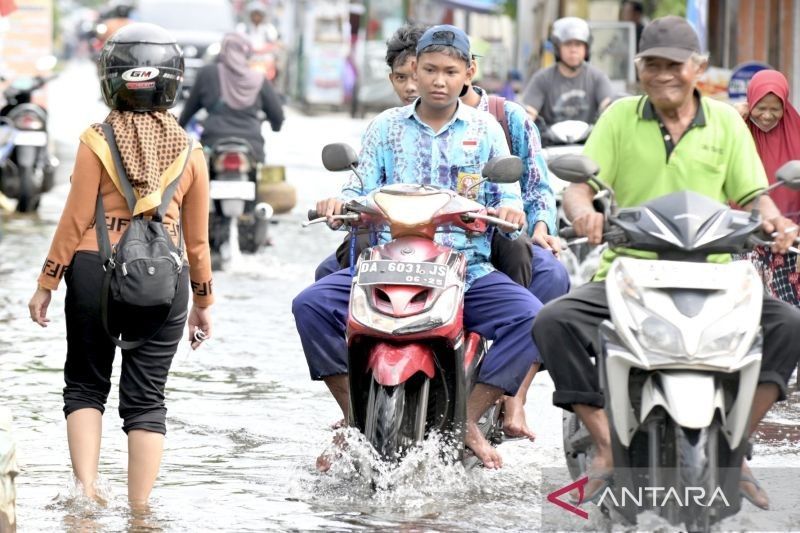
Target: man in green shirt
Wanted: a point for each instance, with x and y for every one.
(669, 140)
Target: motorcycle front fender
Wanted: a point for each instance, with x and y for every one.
(690, 398)
(25, 156)
(392, 364)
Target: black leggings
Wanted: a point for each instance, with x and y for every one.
(566, 332)
(90, 353)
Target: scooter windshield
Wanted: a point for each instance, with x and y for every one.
(411, 209)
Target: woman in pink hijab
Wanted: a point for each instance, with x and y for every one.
(237, 98)
(775, 126)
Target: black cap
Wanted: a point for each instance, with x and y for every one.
(669, 37)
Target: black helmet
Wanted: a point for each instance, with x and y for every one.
(141, 69)
(570, 29)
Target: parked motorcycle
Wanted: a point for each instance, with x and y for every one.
(681, 355)
(237, 223)
(29, 169)
(412, 364)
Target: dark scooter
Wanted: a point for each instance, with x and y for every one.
(29, 169)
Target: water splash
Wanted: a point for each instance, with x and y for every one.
(74, 501)
(428, 472)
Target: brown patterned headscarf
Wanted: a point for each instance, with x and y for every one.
(148, 144)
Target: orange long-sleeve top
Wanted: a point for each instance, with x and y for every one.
(76, 231)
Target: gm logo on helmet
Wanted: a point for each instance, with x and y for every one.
(140, 74)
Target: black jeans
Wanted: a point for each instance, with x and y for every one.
(90, 353)
(566, 332)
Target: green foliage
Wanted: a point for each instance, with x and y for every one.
(511, 9)
(660, 8)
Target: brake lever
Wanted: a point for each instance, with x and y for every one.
(493, 220)
(346, 218)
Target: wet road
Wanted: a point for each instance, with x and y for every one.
(245, 423)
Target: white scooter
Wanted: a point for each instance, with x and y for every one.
(680, 358)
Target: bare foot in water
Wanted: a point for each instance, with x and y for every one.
(327, 458)
(514, 423)
(484, 451)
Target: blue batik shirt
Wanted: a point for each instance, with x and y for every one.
(399, 148)
(537, 195)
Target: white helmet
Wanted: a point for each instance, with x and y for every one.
(571, 29)
(256, 7)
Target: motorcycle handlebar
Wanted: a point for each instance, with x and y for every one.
(508, 226)
(568, 233)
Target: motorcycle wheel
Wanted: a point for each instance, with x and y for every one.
(697, 462)
(253, 235)
(28, 199)
(396, 416)
(48, 178)
(576, 444)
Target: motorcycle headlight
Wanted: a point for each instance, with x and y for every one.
(441, 312)
(654, 333)
(724, 335)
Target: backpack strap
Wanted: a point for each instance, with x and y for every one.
(127, 188)
(170, 190)
(498, 109)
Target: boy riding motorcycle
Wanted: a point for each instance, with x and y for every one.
(438, 141)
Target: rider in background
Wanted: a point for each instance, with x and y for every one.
(532, 260)
(235, 97)
(401, 53)
(258, 28)
(571, 89)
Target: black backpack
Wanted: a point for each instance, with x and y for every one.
(143, 269)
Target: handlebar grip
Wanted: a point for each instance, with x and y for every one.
(312, 214)
(568, 233)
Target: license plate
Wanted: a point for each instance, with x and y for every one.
(232, 190)
(30, 138)
(402, 273)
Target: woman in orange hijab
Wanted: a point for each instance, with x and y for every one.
(775, 126)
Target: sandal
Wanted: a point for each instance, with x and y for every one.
(747, 478)
(607, 479)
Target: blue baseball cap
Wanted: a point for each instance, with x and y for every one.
(444, 35)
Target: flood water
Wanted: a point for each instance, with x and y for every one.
(245, 423)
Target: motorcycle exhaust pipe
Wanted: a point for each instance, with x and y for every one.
(263, 211)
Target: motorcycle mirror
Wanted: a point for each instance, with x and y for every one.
(503, 169)
(574, 168)
(789, 174)
(339, 156)
(46, 63)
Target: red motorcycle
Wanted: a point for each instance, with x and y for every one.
(412, 364)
